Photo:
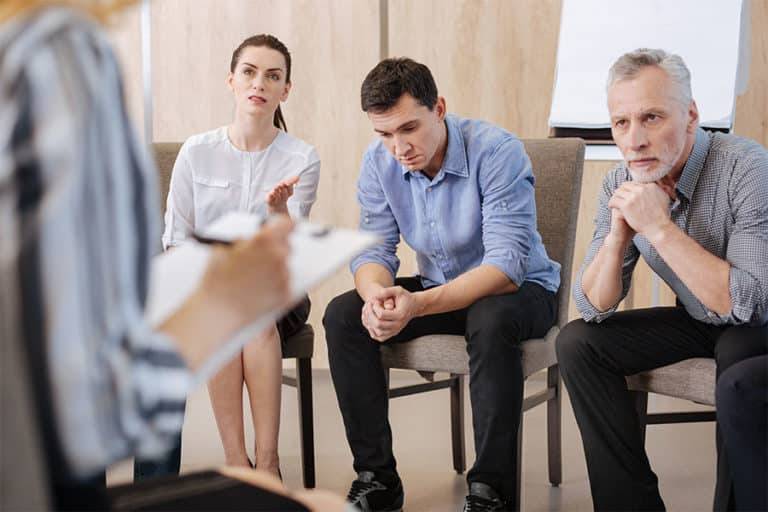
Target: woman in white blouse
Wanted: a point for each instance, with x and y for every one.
(251, 165)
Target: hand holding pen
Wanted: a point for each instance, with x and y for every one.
(244, 280)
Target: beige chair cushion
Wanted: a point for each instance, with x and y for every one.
(448, 353)
(692, 379)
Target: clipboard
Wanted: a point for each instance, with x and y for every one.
(317, 251)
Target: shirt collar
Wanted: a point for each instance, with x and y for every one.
(455, 161)
(693, 166)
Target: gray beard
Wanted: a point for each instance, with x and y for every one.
(644, 177)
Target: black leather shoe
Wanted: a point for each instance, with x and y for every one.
(370, 495)
(483, 498)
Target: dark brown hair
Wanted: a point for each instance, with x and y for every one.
(391, 78)
(274, 43)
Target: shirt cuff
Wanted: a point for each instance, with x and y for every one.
(588, 311)
(745, 300)
(512, 268)
(361, 260)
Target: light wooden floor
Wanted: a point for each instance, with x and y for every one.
(683, 455)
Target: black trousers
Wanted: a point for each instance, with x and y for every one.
(595, 358)
(493, 326)
(742, 414)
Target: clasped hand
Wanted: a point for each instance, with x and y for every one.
(388, 312)
(639, 208)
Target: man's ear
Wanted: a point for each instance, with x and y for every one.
(440, 108)
(693, 117)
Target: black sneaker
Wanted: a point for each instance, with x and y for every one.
(370, 495)
(482, 498)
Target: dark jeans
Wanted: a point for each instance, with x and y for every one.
(493, 326)
(594, 359)
(169, 464)
(742, 414)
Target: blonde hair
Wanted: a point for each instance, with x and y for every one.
(99, 9)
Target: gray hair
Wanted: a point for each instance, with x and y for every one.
(629, 65)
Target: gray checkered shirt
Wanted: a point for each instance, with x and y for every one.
(722, 203)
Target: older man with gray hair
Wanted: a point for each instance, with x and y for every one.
(695, 206)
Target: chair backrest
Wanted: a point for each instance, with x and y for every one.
(165, 155)
(558, 165)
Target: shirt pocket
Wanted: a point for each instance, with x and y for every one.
(213, 198)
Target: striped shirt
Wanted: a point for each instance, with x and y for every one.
(722, 203)
(78, 220)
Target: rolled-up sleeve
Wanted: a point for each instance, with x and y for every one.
(509, 210)
(376, 217)
(748, 246)
(180, 204)
(602, 226)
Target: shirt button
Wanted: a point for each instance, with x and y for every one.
(432, 223)
(429, 188)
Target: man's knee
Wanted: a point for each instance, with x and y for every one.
(739, 343)
(572, 341)
(742, 383)
(489, 328)
(342, 314)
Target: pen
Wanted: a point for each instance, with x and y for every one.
(314, 231)
(208, 240)
(204, 239)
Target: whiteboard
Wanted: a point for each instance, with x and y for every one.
(710, 36)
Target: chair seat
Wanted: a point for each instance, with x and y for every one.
(692, 379)
(301, 344)
(448, 353)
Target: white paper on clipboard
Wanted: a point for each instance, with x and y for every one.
(316, 252)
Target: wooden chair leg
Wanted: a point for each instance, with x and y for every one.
(640, 398)
(306, 426)
(519, 468)
(554, 426)
(457, 423)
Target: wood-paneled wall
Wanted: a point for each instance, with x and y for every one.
(492, 59)
(125, 33)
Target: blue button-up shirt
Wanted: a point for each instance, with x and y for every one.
(478, 210)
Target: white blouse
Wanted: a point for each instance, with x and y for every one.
(212, 177)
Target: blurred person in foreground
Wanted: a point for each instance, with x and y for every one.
(77, 212)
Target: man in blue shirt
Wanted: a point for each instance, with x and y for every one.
(460, 193)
